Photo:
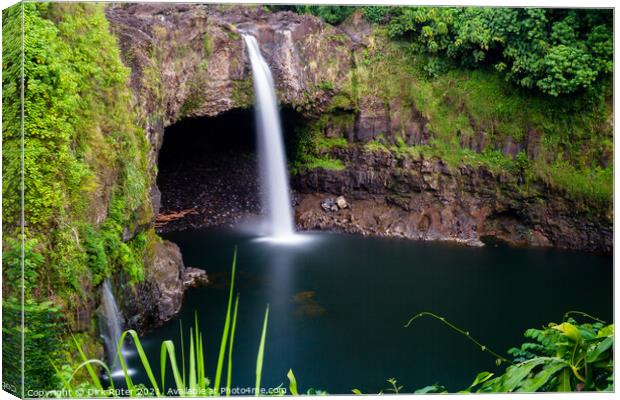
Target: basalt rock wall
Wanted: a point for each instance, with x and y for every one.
(401, 196)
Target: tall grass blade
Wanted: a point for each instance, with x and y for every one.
(220, 358)
(182, 350)
(292, 383)
(261, 353)
(202, 383)
(230, 347)
(89, 368)
(167, 348)
(145, 361)
(199, 358)
(87, 364)
(192, 365)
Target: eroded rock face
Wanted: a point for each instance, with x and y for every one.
(427, 200)
(159, 297)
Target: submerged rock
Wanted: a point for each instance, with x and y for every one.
(193, 277)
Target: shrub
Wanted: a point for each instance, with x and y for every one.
(554, 51)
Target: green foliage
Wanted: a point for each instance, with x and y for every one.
(552, 50)
(81, 144)
(12, 266)
(458, 107)
(378, 14)
(97, 258)
(558, 358)
(312, 147)
(44, 328)
(330, 14)
(83, 152)
(326, 85)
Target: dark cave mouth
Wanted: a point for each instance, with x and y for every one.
(208, 169)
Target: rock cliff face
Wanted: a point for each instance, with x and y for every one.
(159, 297)
(402, 196)
(189, 61)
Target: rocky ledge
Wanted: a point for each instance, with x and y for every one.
(388, 195)
(159, 297)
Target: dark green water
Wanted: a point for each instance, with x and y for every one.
(338, 304)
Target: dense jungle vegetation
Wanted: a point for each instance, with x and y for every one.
(84, 149)
(554, 51)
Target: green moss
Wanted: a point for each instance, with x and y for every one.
(329, 143)
(326, 85)
(232, 33)
(376, 146)
(207, 45)
(341, 101)
(312, 162)
(243, 93)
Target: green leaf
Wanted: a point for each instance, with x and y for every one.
(564, 381)
(167, 348)
(193, 383)
(357, 391)
(599, 350)
(515, 374)
(480, 378)
(89, 368)
(261, 354)
(293, 383)
(143, 359)
(569, 330)
(230, 347)
(606, 331)
(436, 388)
(533, 384)
(220, 358)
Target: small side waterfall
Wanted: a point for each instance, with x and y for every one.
(274, 177)
(111, 326)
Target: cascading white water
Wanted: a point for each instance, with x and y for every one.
(274, 177)
(111, 326)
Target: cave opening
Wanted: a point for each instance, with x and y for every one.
(208, 169)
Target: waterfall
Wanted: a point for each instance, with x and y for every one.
(111, 326)
(274, 177)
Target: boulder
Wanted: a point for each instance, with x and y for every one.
(158, 298)
(329, 205)
(342, 202)
(193, 277)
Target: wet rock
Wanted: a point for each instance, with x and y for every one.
(329, 205)
(159, 297)
(166, 274)
(342, 202)
(193, 277)
(208, 193)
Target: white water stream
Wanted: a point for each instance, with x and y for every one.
(111, 329)
(274, 176)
